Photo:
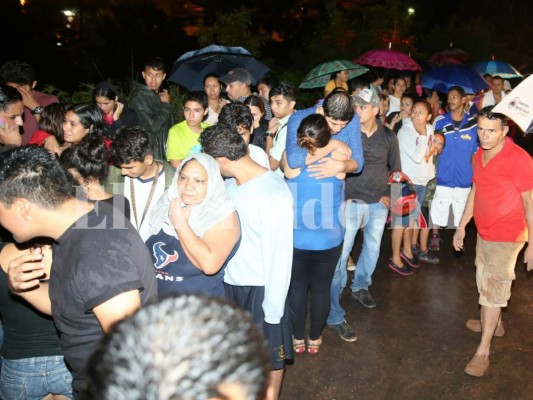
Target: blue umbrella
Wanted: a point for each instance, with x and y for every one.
(189, 69)
(500, 68)
(443, 78)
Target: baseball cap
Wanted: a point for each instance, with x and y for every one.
(366, 97)
(237, 74)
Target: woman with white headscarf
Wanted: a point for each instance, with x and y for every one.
(194, 230)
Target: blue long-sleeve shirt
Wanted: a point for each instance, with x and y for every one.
(350, 135)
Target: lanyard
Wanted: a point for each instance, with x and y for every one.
(148, 202)
(279, 130)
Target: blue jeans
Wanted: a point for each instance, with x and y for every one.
(34, 378)
(373, 217)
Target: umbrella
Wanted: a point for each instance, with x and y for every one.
(454, 52)
(321, 75)
(518, 105)
(443, 78)
(389, 59)
(439, 60)
(189, 69)
(500, 68)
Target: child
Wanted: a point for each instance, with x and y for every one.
(421, 251)
(183, 137)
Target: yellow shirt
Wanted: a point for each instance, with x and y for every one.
(182, 141)
(330, 87)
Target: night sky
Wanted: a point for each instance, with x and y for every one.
(114, 38)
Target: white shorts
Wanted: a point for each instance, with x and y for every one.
(440, 206)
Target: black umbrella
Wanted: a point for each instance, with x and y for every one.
(189, 70)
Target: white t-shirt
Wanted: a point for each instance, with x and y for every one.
(259, 156)
(142, 189)
(395, 104)
(279, 142)
(413, 151)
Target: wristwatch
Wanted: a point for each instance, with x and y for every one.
(37, 111)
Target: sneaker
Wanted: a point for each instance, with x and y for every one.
(405, 270)
(351, 265)
(364, 297)
(428, 258)
(345, 331)
(475, 326)
(434, 243)
(411, 261)
(415, 249)
(477, 366)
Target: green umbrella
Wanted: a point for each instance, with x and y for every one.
(321, 75)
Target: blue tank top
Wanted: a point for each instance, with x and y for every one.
(176, 274)
(318, 211)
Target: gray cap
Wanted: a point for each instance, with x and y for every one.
(237, 74)
(366, 97)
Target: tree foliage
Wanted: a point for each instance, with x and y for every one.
(234, 28)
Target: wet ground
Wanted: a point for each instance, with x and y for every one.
(414, 344)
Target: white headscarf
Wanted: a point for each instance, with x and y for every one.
(213, 209)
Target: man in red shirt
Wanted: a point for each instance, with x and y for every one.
(21, 76)
(501, 202)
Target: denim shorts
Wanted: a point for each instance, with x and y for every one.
(398, 221)
(34, 378)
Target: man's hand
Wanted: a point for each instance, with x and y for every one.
(528, 257)
(10, 134)
(458, 239)
(25, 271)
(28, 99)
(273, 125)
(326, 168)
(164, 96)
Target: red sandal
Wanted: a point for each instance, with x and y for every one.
(313, 345)
(298, 345)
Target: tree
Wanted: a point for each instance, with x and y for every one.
(234, 28)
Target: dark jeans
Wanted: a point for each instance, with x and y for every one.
(311, 269)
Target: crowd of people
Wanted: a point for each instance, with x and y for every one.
(247, 205)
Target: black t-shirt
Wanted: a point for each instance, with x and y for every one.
(121, 203)
(95, 260)
(27, 332)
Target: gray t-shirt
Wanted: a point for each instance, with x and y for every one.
(99, 257)
(382, 155)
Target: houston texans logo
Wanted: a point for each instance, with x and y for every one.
(163, 258)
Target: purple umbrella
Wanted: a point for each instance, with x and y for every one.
(454, 52)
(439, 60)
(389, 59)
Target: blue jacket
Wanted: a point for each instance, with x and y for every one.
(350, 134)
(454, 169)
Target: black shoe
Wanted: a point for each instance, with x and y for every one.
(415, 249)
(427, 257)
(412, 262)
(345, 331)
(405, 270)
(364, 297)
